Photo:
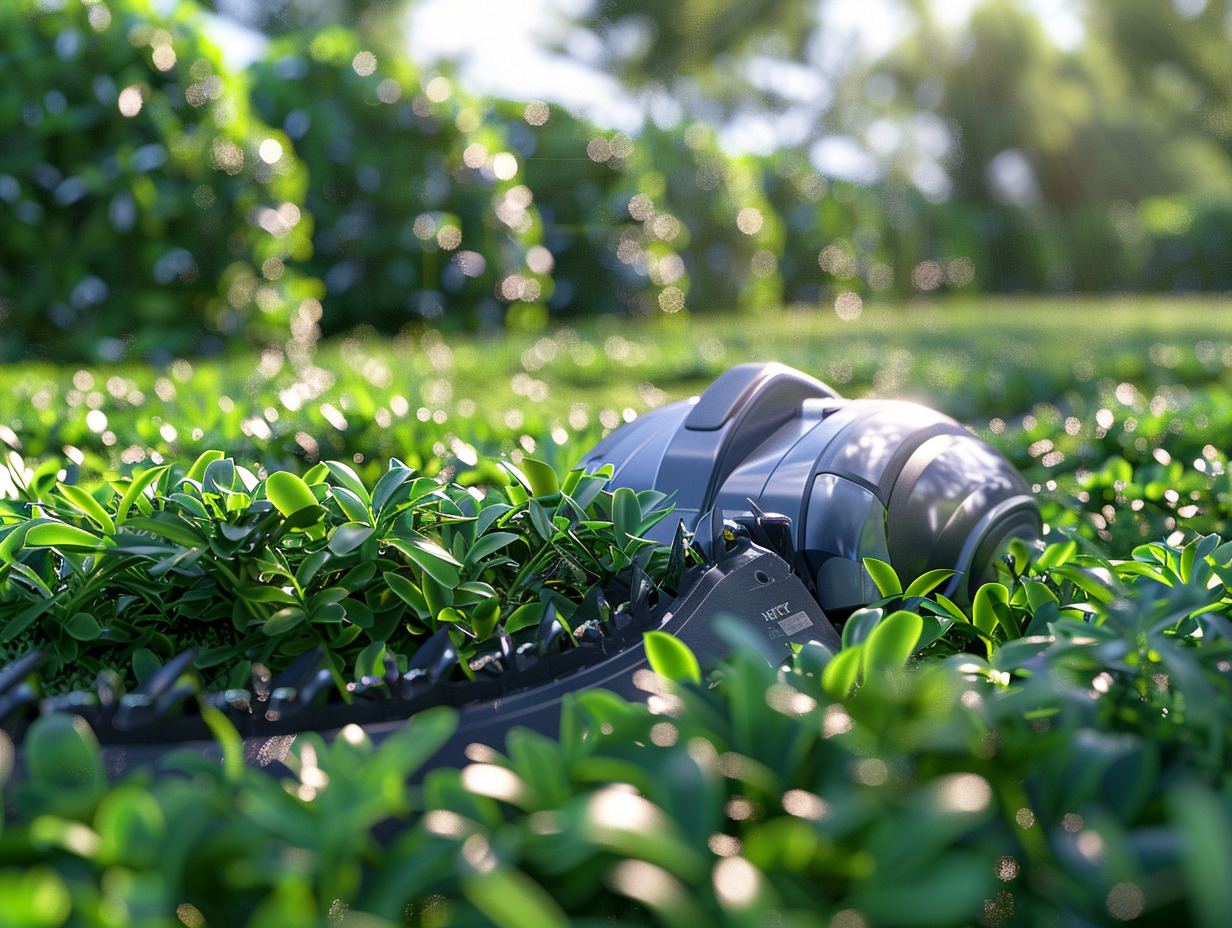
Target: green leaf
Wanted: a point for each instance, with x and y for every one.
(487, 545)
(1038, 594)
(626, 515)
(371, 661)
(62, 751)
(884, 576)
(145, 664)
(927, 582)
(406, 591)
(951, 608)
(670, 657)
(306, 518)
(474, 591)
(842, 674)
(351, 505)
(539, 519)
(989, 607)
(288, 493)
(13, 541)
(389, 482)
(451, 616)
(283, 620)
(438, 595)
(358, 613)
(893, 641)
(572, 479)
(229, 741)
(60, 535)
(1086, 580)
(860, 625)
(13, 627)
(1057, 554)
(1203, 828)
(197, 472)
(349, 536)
(484, 616)
(524, 616)
(542, 480)
(347, 477)
(189, 504)
(219, 477)
(83, 627)
(83, 501)
(310, 566)
(37, 897)
(589, 488)
(316, 474)
(430, 557)
(511, 899)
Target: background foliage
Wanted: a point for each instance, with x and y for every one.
(145, 208)
(335, 184)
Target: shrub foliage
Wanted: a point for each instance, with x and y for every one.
(333, 184)
(145, 208)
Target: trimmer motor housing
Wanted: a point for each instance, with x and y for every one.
(847, 479)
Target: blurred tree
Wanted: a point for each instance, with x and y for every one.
(707, 57)
(1176, 57)
(1026, 122)
(650, 42)
(1047, 151)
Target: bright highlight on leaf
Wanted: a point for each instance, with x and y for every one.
(884, 576)
(670, 657)
(288, 493)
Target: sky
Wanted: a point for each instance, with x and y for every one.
(496, 40)
(498, 46)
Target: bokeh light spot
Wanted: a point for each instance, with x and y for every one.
(536, 113)
(164, 57)
(270, 151)
(848, 306)
(1125, 901)
(749, 220)
(505, 166)
(438, 89)
(130, 100)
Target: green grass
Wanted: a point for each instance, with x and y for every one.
(558, 389)
(1062, 386)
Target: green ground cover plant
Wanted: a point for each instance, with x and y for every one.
(246, 571)
(1052, 752)
(1076, 774)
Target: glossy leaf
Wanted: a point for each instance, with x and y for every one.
(893, 641)
(61, 535)
(487, 545)
(349, 536)
(541, 478)
(431, 558)
(88, 505)
(288, 493)
(670, 657)
(927, 582)
(884, 576)
(840, 676)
